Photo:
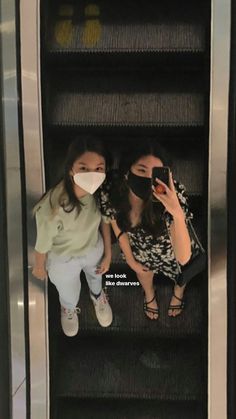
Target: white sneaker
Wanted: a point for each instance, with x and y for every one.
(102, 309)
(69, 321)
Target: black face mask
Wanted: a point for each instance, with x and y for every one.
(139, 185)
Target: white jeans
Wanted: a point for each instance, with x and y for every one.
(64, 273)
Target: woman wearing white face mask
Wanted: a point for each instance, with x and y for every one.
(73, 236)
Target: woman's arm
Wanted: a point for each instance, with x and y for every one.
(180, 238)
(126, 249)
(106, 234)
(46, 231)
(178, 230)
(106, 260)
(39, 270)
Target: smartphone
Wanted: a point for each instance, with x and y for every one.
(162, 173)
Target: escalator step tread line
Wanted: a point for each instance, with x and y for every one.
(133, 27)
(108, 99)
(128, 316)
(128, 409)
(123, 368)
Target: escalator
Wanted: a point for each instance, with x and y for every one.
(125, 72)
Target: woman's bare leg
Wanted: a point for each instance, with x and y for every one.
(179, 292)
(146, 280)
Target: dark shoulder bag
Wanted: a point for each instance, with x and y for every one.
(197, 262)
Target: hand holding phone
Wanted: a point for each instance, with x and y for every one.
(169, 198)
(162, 173)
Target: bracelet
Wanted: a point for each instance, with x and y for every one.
(120, 234)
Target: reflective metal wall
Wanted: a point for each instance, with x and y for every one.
(14, 211)
(5, 387)
(34, 172)
(217, 215)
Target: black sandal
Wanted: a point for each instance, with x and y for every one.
(147, 309)
(177, 306)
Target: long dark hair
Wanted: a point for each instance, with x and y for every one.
(152, 214)
(67, 198)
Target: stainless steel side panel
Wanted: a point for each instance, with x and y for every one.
(14, 213)
(34, 170)
(220, 50)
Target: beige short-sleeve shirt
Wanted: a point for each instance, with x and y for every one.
(67, 233)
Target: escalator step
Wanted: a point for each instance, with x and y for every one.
(126, 99)
(129, 368)
(128, 409)
(128, 315)
(186, 167)
(134, 26)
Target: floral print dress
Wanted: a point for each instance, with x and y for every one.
(154, 252)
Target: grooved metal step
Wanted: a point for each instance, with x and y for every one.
(126, 99)
(128, 409)
(131, 27)
(129, 368)
(127, 305)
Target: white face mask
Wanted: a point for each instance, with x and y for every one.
(89, 181)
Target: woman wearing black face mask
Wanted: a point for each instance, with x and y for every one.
(153, 236)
